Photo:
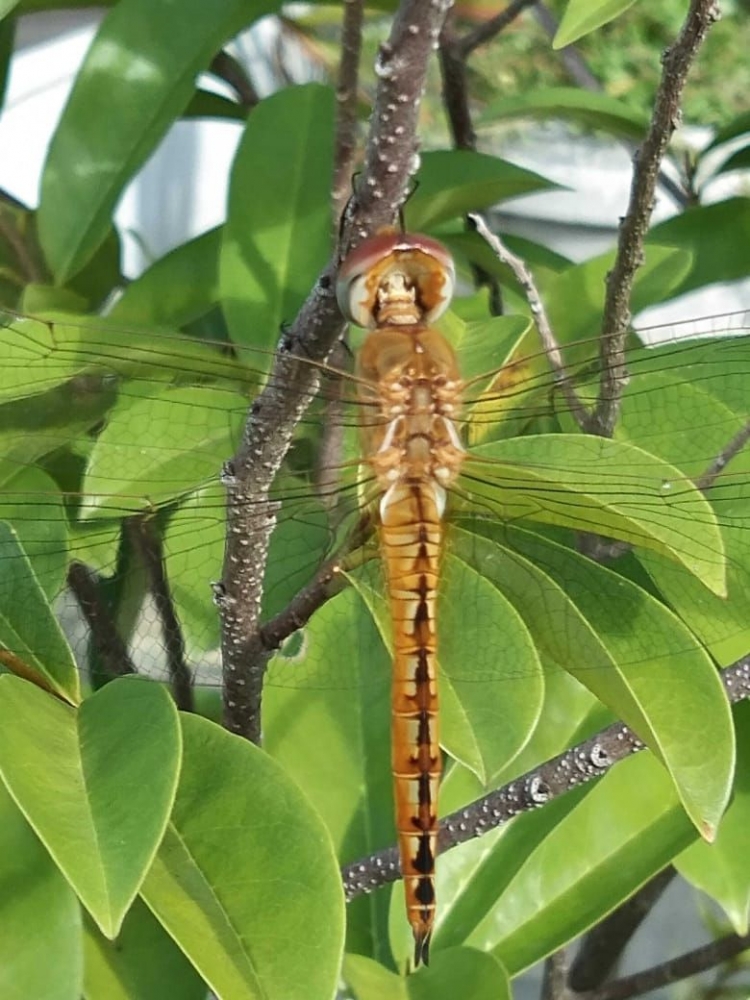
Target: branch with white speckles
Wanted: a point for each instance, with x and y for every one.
(389, 163)
(676, 65)
(582, 763)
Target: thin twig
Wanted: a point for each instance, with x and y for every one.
(232, 72)
(104, 633)
(682, 967)
(717, 466)
(456, 89)
(390, 160)
(554, 980)
(549, 342)
(574, 767)
(604, 944)
(347, 88)
(149, 547)
(486, 31)
(616, 319)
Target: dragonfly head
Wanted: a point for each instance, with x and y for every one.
(396, 278)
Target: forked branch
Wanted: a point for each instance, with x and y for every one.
(582, 763)
(390, 160)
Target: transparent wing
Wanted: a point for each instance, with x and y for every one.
(111, 449)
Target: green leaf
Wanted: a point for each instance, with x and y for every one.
(739, 160)
(739, 125)
(207, 104)
(40, 354)
(581, 17)
(96, 785)
(592, 110)
(31, 639)
(142, 962)
(664, 685)
(720, 869)
(607, 487)
(246, 873)
(326, 719)
(40, 946)
(473, 691)
(453, 182)
(31, 502)
(178, 288)
(457, 972)
(627, 828)
(575, 297)
(138, 76)
(6, 6)
(716, 237)
(277, 239)
(299, 543)
(158, 445)
(7, 41)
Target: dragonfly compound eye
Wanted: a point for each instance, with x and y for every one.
(395, 260)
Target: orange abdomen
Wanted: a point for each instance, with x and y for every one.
(410, 535)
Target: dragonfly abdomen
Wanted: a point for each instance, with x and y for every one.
(408, 376)
(410, 537)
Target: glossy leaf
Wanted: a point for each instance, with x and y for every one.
(575, 296)
(40, 355)
(592, 110)
(453, 182)
(619, 491)
(40, 945)
(138, 75)
(326, 717)
(159, 445)
(457, 972)
(141, 963)
(45, 538)
(274, 246)
(581, 17)
(738, 125)
(178, 288)
(627, 828)
(715, 235)
(246, 880)
(739, 160)
(471, 604)
(653, 654)
(720, 869)
(97, 785)
(32, 642)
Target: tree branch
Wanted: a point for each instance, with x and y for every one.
(554, 981)
(389, 163)
(717, 466)
(574, 767)
(345, 141)
(232, 72)
(486, 31)
(551, 347)
(604, 944)
(682, 967)
(104, 633)
(148, 545)
(647, 162)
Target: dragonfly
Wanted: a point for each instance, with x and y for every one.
(456, 456)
